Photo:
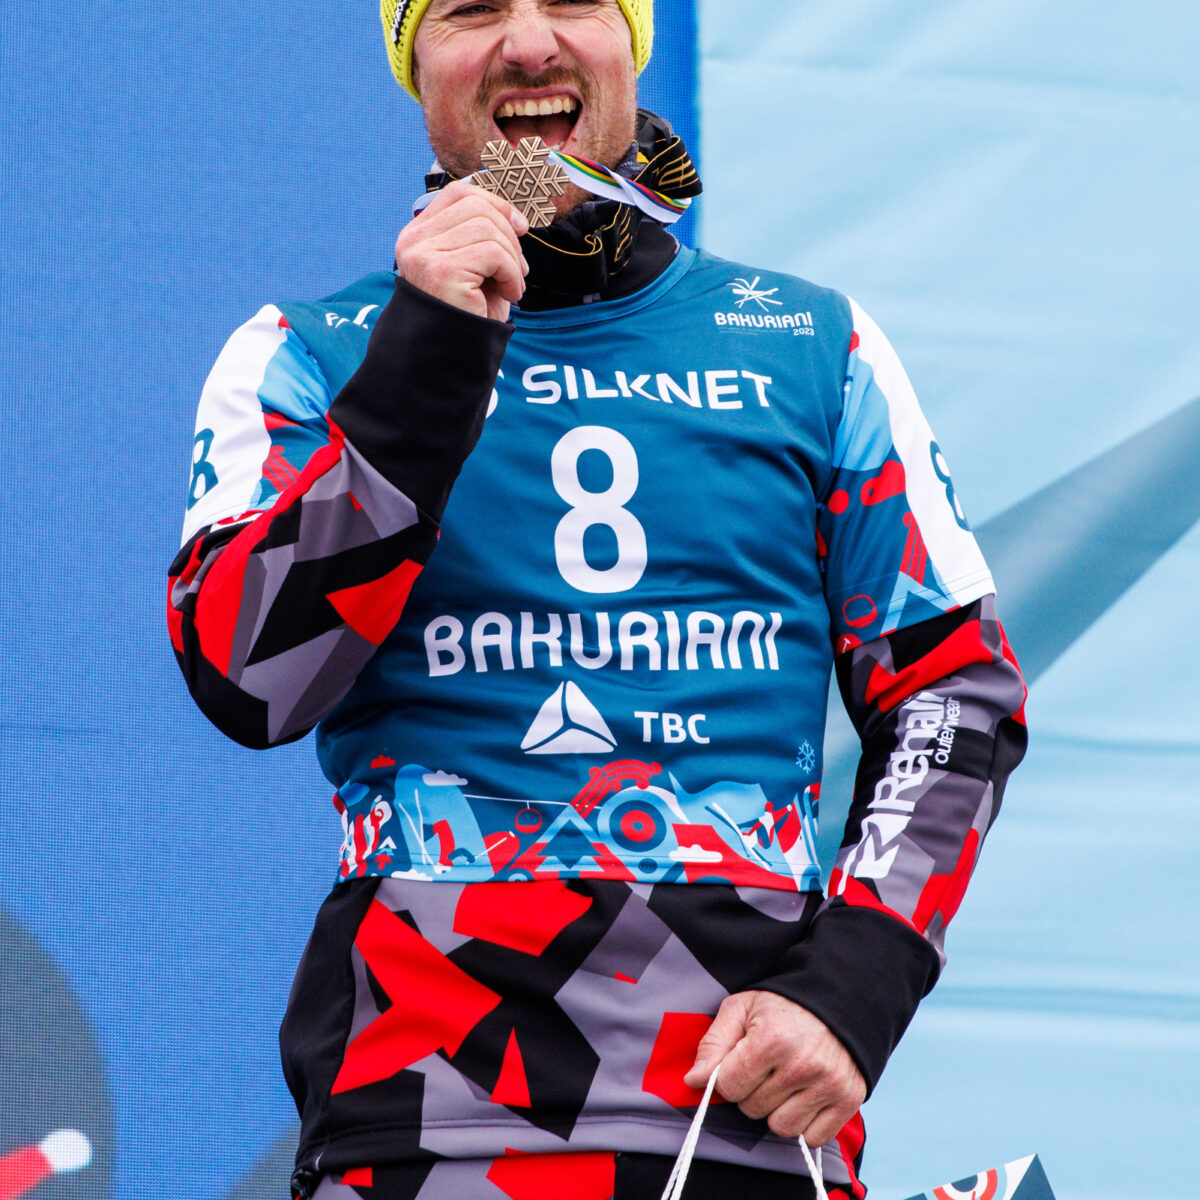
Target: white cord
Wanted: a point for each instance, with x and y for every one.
(683, 1164)
(814, 1170)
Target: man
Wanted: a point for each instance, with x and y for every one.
(576, 745)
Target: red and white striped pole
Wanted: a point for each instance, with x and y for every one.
(58, 1153)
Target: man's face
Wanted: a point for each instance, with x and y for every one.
(558, 69)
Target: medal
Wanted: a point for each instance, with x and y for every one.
(530, 175)
(525, 175)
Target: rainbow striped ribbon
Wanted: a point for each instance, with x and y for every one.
(600, 181)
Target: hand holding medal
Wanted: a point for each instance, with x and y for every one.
(467, 253)
(463, 249)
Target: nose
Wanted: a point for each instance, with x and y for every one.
(530, 41)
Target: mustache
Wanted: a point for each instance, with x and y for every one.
(507, 79)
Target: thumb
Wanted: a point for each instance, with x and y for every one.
(728, 1028)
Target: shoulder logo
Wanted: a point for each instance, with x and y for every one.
(336, 320)
(568, 723)
(763, 311)
(746, 292)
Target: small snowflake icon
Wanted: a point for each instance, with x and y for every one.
(806, 758)
(525, 176)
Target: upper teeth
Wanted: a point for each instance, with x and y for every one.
(537, 108)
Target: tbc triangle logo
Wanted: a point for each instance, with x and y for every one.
(568, 723)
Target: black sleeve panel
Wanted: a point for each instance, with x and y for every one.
(863, 974)
(416, 405)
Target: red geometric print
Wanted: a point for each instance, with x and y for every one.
(521, 916)
(888, 483)
(916, 556)
(944, 893)
(436, 1003)
(553, 1176)
(512, 1087)
(672, 1057)
(175, 624)
(860, 895)
(850, 1140)
(273, 421)
(719, 862)
(372, 609)
(219, 604)
(278, 470)
(962, 648)
(1019, 715)
(185, 576)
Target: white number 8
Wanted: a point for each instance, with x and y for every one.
(597, 508)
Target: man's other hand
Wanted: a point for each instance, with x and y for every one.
(463, 249)
(780, 1062)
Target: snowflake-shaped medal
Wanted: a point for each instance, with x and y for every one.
(525, 176)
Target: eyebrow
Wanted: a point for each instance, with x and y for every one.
(439, 6)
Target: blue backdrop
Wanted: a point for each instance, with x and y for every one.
(1010, 192)
(165, 170)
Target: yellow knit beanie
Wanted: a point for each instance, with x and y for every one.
(401, 18)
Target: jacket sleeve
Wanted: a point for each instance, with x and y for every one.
(935, 694)
(939, 707)
(310, 516)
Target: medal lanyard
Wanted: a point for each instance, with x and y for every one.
(530, 174)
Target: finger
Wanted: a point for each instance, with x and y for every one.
(459, 269)
(474, 230)
(506, 208)
(747, 1067)
(497, 265)
(794, 1116)
(764, 1058)
(828, 1123)
(478, 204)
(821, 1090)
(497, 308)
(462, 190)
(727, 1029)
(472, 219)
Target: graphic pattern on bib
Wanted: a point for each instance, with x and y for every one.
(632, 821)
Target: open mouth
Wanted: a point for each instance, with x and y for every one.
(552, 118)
